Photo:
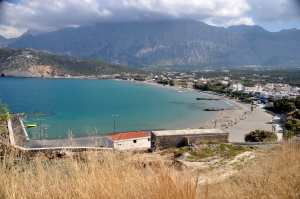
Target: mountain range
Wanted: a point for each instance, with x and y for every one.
(180, 43)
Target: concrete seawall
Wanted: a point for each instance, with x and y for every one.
(11, 133)
(24, 130)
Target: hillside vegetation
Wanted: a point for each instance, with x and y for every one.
(274, 173)
(35, 63)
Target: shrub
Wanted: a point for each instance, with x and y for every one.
(292, 124)
(289, 134)
(4, 115)
(260, 136)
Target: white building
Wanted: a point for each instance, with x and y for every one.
(278, 96)
(129, 140)
(255, 88)
(236, 87)
(201, 79)
(265, 94)
(225, 82)
(292, 95)
(295, 90)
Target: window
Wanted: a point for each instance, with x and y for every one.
(148, 139)
(134, 141)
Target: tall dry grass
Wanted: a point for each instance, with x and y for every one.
(274, 175)
(94, 175)
(110, 174)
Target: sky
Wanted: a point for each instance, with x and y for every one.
(17, 16)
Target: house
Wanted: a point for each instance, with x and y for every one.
(292, 95)
(265, 94)
(225, 82)
(255, 88)
(236, 87)
(279, 96)
(178, 138)
(129, 140)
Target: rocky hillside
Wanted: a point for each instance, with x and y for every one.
(272, 48)
(154, 44)
(182, 43)
(34, 63)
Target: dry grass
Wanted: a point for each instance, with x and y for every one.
(274, 175)
(95, 175)
(111, 174)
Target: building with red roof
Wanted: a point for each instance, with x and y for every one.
(129, 140)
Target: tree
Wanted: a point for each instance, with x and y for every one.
(171, 82)
(288, 107)
(296, 114)
(297, 102)
(260, 136)
(285, 105)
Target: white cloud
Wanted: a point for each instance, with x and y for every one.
(239, 21)
(54, 14)
(11, 32)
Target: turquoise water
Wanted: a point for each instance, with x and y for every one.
(85, 106)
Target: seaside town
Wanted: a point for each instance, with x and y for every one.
(262, 118)
(244, 99)
(151, 99)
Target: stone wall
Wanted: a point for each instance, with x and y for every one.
(169, 141)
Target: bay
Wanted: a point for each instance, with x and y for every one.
(78, 107)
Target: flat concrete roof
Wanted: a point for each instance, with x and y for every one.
(188, 132)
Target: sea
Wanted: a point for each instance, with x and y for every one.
(81, 107)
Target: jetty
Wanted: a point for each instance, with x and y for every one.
(215, 109)
(202, 98)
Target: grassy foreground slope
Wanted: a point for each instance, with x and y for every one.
(274, 173)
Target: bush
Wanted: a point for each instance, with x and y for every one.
(292, 124)
(4, 115)
(260, 136)
(289, 134)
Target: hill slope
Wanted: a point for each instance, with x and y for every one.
(272, 48)
(34, 63)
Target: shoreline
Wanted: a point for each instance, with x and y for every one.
(234, 104)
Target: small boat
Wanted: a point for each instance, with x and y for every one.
(31, 125)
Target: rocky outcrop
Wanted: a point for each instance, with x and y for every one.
(24, 63)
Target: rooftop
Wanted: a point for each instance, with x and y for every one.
(188, 132)
(128, 135)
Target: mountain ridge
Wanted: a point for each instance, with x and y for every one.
(181, 43)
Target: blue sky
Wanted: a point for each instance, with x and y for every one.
(17, 16)
(13, 1)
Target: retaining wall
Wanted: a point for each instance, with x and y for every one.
(169, 141)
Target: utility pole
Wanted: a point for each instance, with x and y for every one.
(114, 123)
(41, 135)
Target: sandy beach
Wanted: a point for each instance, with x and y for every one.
(241, 120)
